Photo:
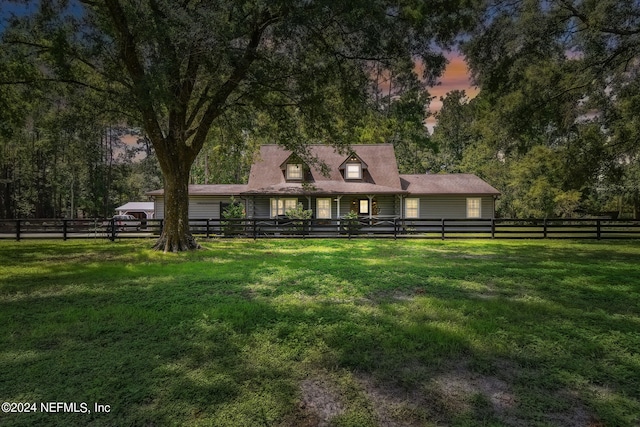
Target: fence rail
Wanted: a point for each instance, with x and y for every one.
(498, 228)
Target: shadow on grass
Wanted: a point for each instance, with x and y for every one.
(175, 361)
(224, 338)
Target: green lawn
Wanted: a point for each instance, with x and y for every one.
(329, 332)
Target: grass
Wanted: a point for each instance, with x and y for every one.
(323, 332)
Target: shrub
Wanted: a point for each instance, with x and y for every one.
(351, 224)
(299, 215)
(233, 211)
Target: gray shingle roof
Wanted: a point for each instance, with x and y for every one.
(209, 190)
(455, 183)
(381, 176)
(325, 187)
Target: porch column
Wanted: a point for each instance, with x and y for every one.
(338, 210)
(253, 206)
(370, 208)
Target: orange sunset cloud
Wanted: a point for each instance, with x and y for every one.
(455, 76)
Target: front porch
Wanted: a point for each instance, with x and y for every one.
(327, 207)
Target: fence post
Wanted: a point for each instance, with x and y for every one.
(255, 228)
(395, 228)
(442, 228)
(493, 228)
(64, 229)
(18, 230)
(544, 228)
(113, 229)
(207, 228)
(598, 230)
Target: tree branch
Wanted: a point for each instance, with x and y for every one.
(238, 74)
(177, 109)
(586, 21)
(195, 111)
(90, 3)
(129, 56)
(189, 79)
(56, 80)
(72, 54)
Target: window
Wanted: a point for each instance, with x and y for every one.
(279, 207)
(474, 208)
(323, 208)
(353, 171)
(294, 171)
(364, 206)
(411, 208)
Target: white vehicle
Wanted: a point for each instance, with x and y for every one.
(125, 222)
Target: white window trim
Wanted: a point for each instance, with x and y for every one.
(347, 174)
(294, 171)
(470, 208)
(281, 206)
(417, 208)
(318, 208)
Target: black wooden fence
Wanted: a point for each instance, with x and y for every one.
(498, 228)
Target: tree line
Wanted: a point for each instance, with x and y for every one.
(59, 161)
(203, 84)
(555, 125)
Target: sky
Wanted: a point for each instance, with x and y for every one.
(456, 76)
(9, 8)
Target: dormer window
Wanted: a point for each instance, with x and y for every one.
(353, 171)
(353, 168)
(294, 171)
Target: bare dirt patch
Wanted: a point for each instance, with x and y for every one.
(446, 395)
(456, 389)
(461, 384)
(320, 402)
(396, 407)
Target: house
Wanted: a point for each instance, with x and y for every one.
(366, 182)
(141, 210)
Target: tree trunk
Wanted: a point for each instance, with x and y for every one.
(176, 236)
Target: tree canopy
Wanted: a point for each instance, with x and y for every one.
(555, 125)
(178, 68)
(558, 104)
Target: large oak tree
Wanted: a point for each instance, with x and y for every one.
(177, 67)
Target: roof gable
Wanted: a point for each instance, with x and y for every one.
(292, 159)
(354, 158)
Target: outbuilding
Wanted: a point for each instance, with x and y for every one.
(141, 210)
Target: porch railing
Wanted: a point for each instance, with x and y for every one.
(446, 228)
